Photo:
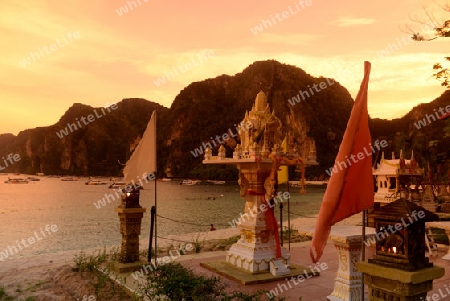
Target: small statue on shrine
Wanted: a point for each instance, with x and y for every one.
(222, 152)
(208, 153)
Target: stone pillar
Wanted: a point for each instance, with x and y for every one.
(130, 228)
(130, 215)
(348, 281)
(256, 247)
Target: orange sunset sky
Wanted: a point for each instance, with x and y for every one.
(56, 53)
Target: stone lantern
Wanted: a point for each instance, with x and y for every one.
(400, 270)
(130, 214)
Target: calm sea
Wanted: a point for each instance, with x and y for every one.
(25, 209)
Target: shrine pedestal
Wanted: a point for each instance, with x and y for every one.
(130, 228)
(393, 284)
(348, 242)
(257, 245)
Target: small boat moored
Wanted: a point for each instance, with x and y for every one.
(69, 179)
(95, 182)
(189, 182)
(117, 185)
(165, 180)
(216, 182)
(16, 181)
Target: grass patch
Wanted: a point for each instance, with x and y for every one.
(295, 236)
(440, 236)
(18, 289)
(97, 267)
(4, 296)
(443, 217)
(36, 286)
(198, 244)
(220, 244)
(180, 283)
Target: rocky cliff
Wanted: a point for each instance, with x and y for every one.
(315, 110)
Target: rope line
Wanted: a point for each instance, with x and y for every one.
(181, 222)
(220, 224)
(174, 239)
(294, 213)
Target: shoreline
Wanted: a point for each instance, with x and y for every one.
(49, 276)
(167, 241)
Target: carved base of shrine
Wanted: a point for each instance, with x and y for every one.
(130, 228)
(386, 283)
(255, 259)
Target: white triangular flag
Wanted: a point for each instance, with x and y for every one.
(143, 160)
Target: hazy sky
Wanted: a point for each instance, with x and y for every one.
(55, 53)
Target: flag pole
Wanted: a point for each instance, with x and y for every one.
(363, 249)
(289, 215)
(150, 241)
(281, 223)
(156, 232)
(363, 234)
(156, 208)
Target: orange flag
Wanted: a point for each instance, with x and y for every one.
(350, 189)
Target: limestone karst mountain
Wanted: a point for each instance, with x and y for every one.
(317, 119)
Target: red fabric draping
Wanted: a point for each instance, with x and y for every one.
(350, 188)
(272, 225)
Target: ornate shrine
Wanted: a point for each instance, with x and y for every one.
(258, 158)
(394, 178)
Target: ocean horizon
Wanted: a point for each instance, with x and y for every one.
(52, 216)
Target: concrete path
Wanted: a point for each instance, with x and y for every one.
(315, 288)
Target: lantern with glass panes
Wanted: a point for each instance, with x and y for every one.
(400, 235)
(130, 197)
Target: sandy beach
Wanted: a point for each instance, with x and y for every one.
(50, 276)
(44, 277)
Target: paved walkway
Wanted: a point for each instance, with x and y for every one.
(315, 288)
